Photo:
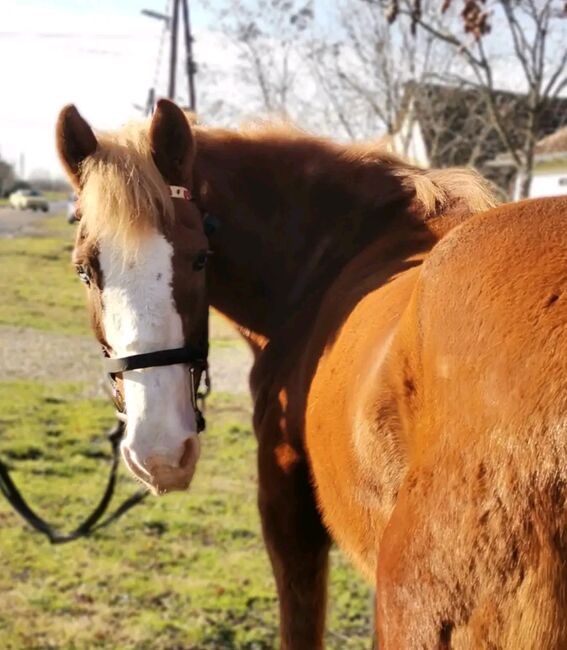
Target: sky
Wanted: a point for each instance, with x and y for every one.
(103, 57)
(100, 56)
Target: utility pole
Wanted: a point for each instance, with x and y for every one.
(189, 61)
(173, 50)
(172, 23)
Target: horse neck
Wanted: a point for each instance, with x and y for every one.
(292, 213)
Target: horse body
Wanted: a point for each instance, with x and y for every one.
(409, 381)
(353, 432)
(439, 457)
(401, 432)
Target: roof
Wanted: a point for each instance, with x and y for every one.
(457, 129)
(552, 148)
(554, 143)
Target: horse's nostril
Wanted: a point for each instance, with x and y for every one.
(134, 466)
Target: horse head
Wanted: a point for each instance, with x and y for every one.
(141, 251)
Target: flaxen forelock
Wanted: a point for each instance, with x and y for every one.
(123, 195)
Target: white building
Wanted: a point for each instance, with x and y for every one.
(550, 166)
(446, 126)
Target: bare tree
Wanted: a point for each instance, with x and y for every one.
(267, 37)
(442, 65)
(364, 68)
(7, 177)
(525, 39)
(344, 71)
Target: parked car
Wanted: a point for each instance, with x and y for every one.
(25, 199)
(72, 208)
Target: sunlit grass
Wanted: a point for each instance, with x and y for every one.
(188, 570)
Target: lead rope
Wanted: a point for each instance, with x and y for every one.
(93, 522)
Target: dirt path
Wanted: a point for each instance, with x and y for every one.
(47, 356)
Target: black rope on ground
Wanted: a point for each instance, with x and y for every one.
(92, 523)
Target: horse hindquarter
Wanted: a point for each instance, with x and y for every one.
(475, 553)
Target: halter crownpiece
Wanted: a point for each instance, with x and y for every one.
(178, 192)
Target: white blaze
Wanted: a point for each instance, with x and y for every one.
(139, 315)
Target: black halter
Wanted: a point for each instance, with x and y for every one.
(194, 357)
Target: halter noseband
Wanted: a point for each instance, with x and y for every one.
(170, 357)
(194, 357)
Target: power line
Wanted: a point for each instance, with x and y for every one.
(75, 35)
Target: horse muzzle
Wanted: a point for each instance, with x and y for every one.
(159, 473)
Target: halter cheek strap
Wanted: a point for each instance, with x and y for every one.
(178, 192)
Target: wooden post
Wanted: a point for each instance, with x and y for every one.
(173, 50)
(189, 62)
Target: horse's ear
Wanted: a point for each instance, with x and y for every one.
(75, 141)
(172, 143)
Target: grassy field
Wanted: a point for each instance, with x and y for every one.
(187, 571)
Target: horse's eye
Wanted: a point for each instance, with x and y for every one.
(83, 274)
(200, 260)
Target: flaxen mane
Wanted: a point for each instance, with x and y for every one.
(434, 189)
(123, 194)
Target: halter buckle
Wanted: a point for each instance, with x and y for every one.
(178, 192)
(198, 398)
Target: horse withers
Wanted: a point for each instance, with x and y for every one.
(409, 381)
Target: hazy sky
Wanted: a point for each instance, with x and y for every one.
(99, 55)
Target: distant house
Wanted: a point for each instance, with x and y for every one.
(549, 175)
(444, 126)
(550, 165)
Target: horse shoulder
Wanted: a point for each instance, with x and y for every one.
(352, 425)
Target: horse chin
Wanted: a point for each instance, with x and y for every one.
(160, 476)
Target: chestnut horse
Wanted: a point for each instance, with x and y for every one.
(410, 376)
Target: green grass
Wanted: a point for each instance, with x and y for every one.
(187, 571)
(38, 286)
